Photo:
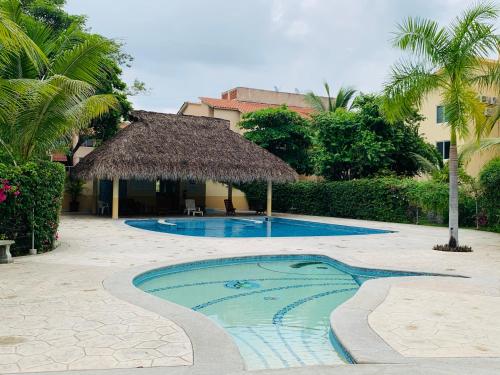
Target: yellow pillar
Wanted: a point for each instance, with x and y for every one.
(116, 197)
(269, 199)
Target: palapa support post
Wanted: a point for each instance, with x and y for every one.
(269, 210)
(116, 197)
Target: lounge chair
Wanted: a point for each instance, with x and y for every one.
(230, 210)
(191, 208)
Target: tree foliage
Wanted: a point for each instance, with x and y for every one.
(79, 72)
(282, 132)
(490, 183)
(364, 143)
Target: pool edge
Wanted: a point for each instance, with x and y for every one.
(121, 285)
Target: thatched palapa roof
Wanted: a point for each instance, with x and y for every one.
(174, 147)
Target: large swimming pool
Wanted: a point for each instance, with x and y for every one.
(276, 308)
(249, 227)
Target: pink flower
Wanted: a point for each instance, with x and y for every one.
(3, 196)
(17, 193)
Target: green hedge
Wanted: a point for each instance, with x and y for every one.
(381, 199)
(41, 187)
(490, 183)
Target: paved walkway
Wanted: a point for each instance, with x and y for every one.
(57, 316)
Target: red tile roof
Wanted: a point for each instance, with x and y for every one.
(245, 107)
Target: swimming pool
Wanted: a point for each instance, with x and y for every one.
(249, 227)
(276, 308)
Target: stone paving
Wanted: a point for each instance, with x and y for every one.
(57, 316)
(439, 324)
(60, 318)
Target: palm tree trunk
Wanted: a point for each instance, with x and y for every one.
(453, 208)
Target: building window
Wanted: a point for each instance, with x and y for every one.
(444, 149)
(440, 115)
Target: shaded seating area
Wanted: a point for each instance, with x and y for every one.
(167, 147)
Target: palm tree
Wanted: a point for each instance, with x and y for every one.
(451, 61)
(44, 101)
(343, 99)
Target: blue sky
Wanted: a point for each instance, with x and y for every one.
(186, 49)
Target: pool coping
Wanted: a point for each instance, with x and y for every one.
(349, 321)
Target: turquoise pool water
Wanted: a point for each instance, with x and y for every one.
(276, 308)
(249, 227)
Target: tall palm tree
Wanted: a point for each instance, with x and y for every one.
(449, 60)
(43, 104)
(343, 99)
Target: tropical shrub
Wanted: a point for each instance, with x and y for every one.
(381, 199)
(363, 143)
(490, 183)
(39, 187)
(282, 132)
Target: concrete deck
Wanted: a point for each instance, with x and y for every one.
(57, 316)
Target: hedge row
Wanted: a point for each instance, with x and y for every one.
(382, 199)
(41, 187)
(490, 183)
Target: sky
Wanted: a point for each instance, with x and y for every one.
(184, 49)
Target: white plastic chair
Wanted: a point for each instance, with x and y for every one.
(191, 208)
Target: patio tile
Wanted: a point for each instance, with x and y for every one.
(57, 301)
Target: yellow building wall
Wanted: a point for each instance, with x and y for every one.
(233, 117)
(434, 132)
(217, 192)
(196, 109)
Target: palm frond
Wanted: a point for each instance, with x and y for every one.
(487, 75)
(315, 102)
(474, 36)
(409, 83)
(461, 107)
(344, 97)
(331, 106)
(91, 108)
(85, 62)
(468, 150)
(423, 37)
(14, 40)
(424, 164)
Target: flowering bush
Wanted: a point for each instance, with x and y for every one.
(30, 197)
(7, 189)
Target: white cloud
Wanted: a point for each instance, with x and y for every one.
(187, 49)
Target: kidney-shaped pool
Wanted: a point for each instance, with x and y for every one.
(276, 308)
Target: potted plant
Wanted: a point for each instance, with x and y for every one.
(74, 188)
